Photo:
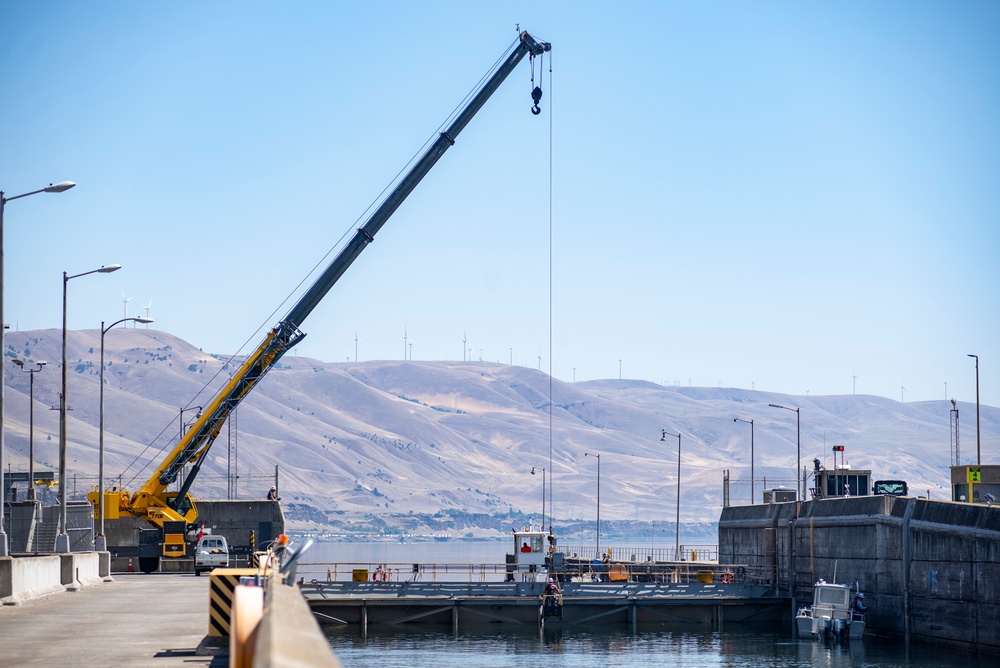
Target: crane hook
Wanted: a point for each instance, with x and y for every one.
(536, 95)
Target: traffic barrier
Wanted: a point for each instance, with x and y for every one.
(288, 634)
(248, 608)
(221, 584)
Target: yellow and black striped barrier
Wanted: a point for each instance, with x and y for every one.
(221, 584)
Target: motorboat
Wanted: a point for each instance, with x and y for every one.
(837, 613)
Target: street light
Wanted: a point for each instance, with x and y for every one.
(978, 460)
(62, 540)
(100, 542)
(543, 494)
(798, 449)
(180, 418)
(753, 495)
(31, 423)
(677, 523)
(52, 188)
(587, 454)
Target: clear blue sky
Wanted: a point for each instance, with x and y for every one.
(775, 195)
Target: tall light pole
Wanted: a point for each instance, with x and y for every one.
(52, 188)
(31, 423)
(62, 540)
(677, 521)
(798, 450)
(543, 494)
(587, 454)
(753, 495)
(100, 542)
(978, 460)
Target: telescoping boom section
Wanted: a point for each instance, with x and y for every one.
(152, 501)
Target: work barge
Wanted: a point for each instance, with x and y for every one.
(458, 605)
(542, 588)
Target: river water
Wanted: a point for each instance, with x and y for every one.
(487, 646)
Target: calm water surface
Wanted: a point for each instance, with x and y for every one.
(488, 646)
(736, 647)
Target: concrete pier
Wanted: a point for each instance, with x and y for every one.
(137, 620)
(157, 620)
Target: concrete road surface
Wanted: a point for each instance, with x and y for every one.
(137, 620)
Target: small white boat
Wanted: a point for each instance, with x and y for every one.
(836, 614)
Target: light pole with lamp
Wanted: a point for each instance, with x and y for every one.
(677, 522)
(799, 492)
(753, 496)
(978, 460)
(31, 423)
(587, 454)
(52, 188)
(543, 494)
(62, 540)
(100, 541)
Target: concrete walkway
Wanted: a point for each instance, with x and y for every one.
(138, 620)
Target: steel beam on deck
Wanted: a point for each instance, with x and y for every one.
(426, 613)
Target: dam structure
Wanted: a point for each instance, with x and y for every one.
(930, 569)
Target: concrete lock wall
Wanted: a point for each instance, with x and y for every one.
(954, 573)
(232, 519)
(236, 519)
(930, 570)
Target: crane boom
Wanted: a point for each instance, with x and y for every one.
(152, 500)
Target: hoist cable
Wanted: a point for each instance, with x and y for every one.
(551, 472)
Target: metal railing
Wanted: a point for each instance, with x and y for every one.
(402, 572)
(699, 552)
(571, 570)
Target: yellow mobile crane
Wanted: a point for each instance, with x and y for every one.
(173, 512)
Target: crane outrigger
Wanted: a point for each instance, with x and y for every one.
(172, 512)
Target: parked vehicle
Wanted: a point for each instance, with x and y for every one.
(892, 487)
(211, 552)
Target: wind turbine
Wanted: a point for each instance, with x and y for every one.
(854, 389)
(404, 343)
(125, 301)
(465, 344)
(147, 307)
(356, 339)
